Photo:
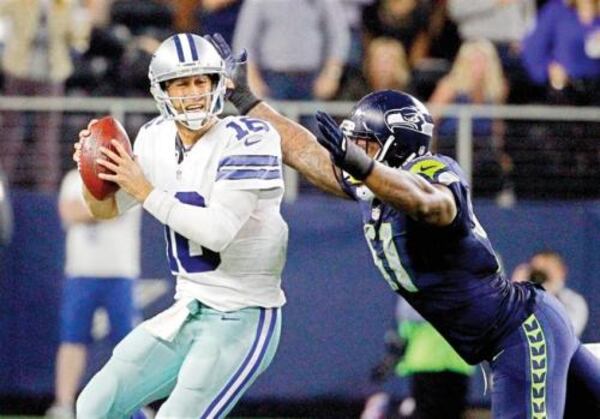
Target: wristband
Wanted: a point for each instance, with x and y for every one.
(244, 101)
(356, 162)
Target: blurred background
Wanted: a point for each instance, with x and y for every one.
(514, 86)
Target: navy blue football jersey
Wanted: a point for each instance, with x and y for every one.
(450, 275)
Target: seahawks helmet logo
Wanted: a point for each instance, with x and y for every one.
(411, 118)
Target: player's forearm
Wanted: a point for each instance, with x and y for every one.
(301, 150)
(213, 227)
(411, 194)
(101, 210)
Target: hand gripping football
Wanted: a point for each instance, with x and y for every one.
(101, 133)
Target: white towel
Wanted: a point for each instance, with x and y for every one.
(166, 324)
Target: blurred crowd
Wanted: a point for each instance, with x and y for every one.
(443, 51)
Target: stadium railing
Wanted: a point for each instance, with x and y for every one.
(525, 117)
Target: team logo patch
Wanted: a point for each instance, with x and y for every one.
(427, 167)
(410, 118)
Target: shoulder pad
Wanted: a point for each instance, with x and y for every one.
(434, 170)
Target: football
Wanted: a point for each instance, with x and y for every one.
(101, 133)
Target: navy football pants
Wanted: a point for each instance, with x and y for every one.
(534, 364)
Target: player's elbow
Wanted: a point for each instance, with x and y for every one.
(218, 245)
(439, 211)
(218, 239)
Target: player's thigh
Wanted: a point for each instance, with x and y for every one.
(229, 352)
(530, 374)
(80, 298)
(117, 299)
(141, 369)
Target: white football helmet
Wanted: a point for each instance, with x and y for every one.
(184, 55)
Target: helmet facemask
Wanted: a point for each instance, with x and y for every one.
(364, 140)
(396, 153)
(213, 103)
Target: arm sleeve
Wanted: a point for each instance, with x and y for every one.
(214, 226)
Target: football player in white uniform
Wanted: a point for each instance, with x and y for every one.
(216, 184)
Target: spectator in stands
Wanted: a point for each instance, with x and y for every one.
(141, 16)
(297, 47)
(504, 23)
(404, 20)
(385, 67)
(563, 51)
(219, 16)
(443, 32)
(37, 59)
(476, 77)
(6, 213)
(439, 377)
(549, 269)
(133, 65)
(102, 260)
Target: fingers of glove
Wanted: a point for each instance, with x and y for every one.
(327, 121)
(328, 127)
(222, 45)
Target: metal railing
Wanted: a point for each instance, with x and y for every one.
(120, 108)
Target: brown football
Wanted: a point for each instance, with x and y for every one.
(101, 133)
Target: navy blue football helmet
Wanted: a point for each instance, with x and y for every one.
(400, 124)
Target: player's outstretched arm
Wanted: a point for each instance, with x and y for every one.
(299, 146)
(433, 204)
(301, 150)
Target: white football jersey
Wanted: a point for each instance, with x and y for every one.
(238, 153)
(101, 249)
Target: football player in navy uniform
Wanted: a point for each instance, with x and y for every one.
(429, 246)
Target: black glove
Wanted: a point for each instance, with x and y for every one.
(236, 67)
(346, 155)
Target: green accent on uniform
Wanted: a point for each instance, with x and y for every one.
(428, 351)
(427, 167)
(538, 364)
